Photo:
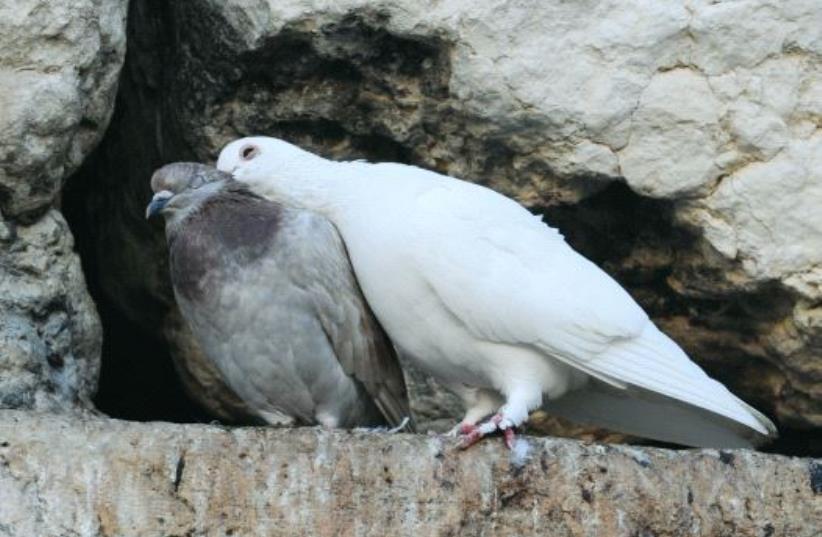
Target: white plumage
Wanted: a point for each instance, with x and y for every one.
(478, 292)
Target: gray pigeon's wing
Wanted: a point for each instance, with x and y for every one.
(359, 341)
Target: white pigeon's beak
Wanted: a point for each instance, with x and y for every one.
(158, 202)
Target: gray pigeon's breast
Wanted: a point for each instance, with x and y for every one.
(224, 234)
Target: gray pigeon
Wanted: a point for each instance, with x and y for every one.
(269, 293)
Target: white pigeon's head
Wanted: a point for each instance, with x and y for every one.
(254, 156)
(274, 168)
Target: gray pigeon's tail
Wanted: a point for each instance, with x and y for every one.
(651, 415)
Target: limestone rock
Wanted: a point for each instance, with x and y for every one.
(104, 477)
(676, 145)
(59, 65)
(49, 331)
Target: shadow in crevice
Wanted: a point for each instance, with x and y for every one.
(635, 240)
(138, 380)
(666, 269)
(119, 251)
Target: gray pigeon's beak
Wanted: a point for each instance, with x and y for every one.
(158, 202)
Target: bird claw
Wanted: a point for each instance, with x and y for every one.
(510, 437)
(459, 429)
(468, 440)
(467, 428)
(471, 434)
(402, 425)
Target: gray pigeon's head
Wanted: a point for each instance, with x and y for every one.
(181, 187)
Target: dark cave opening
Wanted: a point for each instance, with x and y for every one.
(137, 379)
(137, 376)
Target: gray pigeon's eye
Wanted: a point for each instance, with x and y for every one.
(197, 181)
(248, 152)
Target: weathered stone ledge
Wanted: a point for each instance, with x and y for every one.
(94, 477)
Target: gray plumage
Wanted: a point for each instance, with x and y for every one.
(269, 293)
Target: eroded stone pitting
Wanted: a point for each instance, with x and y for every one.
(350, 88)
(58, 76)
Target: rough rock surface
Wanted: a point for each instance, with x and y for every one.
(104, 477)
(59, 63)
(49, 330)
(677, 145)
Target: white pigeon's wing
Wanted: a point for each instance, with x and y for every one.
(511, 279)
(361, 345)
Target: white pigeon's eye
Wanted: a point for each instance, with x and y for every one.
(249, 151)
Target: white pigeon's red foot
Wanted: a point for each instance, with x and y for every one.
(471, 434)
(510, 437)
(467, 428)
(461, 429)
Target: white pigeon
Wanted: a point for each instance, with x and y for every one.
(481, 294)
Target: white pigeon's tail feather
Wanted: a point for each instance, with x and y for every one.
(761, 418)
(668, 397)
(650, 415)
